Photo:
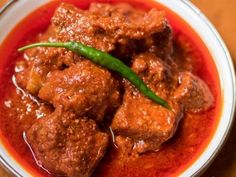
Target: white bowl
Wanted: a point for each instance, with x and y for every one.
(207, 33)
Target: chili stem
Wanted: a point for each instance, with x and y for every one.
(107, 61)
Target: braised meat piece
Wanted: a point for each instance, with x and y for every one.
(141, 124)
(126, 22)
(73, 24)
(40, 61)
(67, 145)
(160, 43)
(193, 93)
(84, 88)
(141, 31)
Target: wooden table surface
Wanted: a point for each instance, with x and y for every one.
(222, 14)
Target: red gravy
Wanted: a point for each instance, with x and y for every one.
(190, 140)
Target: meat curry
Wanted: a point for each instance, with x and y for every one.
(67, 116)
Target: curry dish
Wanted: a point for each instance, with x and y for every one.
(68, 116)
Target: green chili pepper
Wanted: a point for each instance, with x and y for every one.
(107, 61)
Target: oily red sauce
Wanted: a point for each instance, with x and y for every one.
(18, 111)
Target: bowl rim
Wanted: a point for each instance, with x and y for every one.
(5, 163)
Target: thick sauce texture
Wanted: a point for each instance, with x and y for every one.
(18, 110)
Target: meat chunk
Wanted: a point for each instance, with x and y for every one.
(135, 36)
(84, 88)
(122, 10)
(193, 93)
(40, 61)
(45, 61)
(73, 24)
(144, 123)
(126, 22)
(139, 123)
(160, 43)
(67, 145)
